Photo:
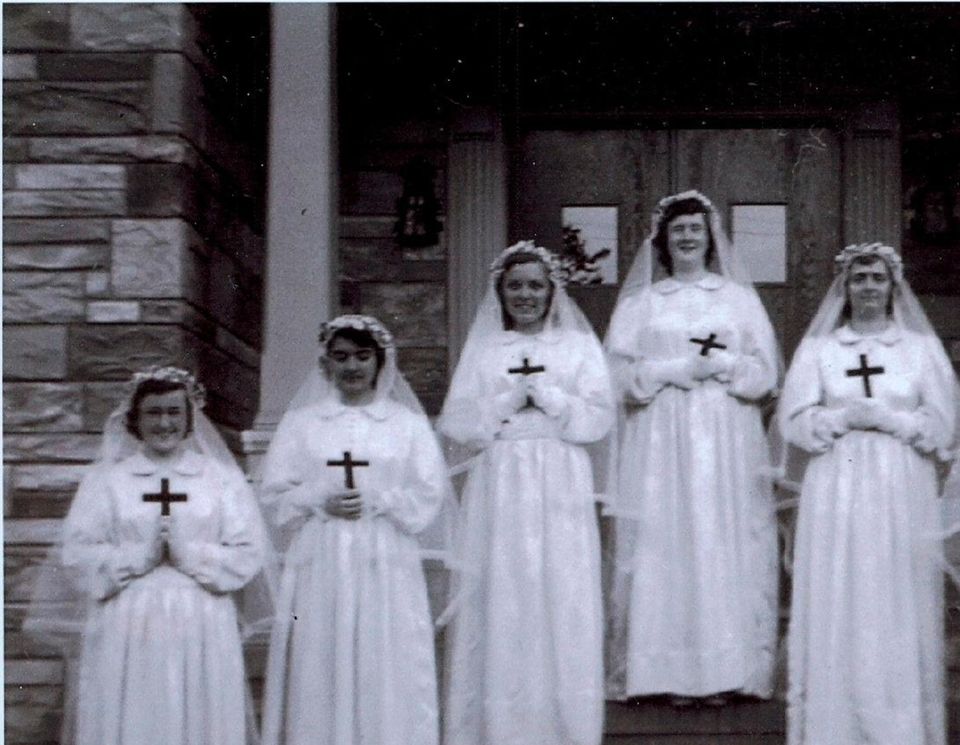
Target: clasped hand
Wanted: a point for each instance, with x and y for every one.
(534, 391)
(347, 504)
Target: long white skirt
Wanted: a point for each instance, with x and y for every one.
(524, 663)
(352, 653)
(866, 659)
(162, 664)
(693, 598)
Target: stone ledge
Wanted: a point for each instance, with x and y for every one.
(31, 531)
(32, 672)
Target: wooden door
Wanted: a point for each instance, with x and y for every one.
(632, 169)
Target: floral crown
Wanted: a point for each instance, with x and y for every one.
(888, 254)
(195, 390)
(370, 324)
(664, 203)
(558, 273)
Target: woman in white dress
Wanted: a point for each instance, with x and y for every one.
(693, 595)
(162, 531)
(524, 650)
(871, 397)
(352, 476)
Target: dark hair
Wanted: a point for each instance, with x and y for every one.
(153, 387)
(363, 339)
(515, 260)
(689, 206)
(846, 312)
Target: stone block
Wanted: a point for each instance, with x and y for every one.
(101, 67)
(366, 226)
(56, 257)
(42, 407)
(97, 284)
(167, 149)
(113, 311)
(151, 258)
(176, 89)
(15, 149)
(99, 401)
(128, 26)
(116, 352)
(75, 108)
(32, 714)
(42, 297)
(33, 672)
(369, 259)
(36, 26)
(161, 190)
(21, 564)
(54, 446)
(70, 176)
(58, 230)
(38, 532)
(34, 352)
(63, 203)
(44, 490)
(415, 312)
(19, 67)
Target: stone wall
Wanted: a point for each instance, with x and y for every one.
(134, 141)
(405, 288)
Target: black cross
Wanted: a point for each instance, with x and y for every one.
(527, 369)
(864, 371)
(164, 497)
(347, 464)
(707, 344)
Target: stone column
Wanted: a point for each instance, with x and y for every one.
(871, 175)
(301, 206)
(476, 216)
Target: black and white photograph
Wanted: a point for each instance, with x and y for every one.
(475, 373)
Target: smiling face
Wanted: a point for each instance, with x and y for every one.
(869, 287)
(352, 367)
(163, 422)
(525, 291)
(687, 242)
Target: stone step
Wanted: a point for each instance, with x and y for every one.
(656, 716)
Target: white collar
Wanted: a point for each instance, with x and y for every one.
(547, 336)
(708, 281)
(333, 407)
(190, 463)
(890, 335)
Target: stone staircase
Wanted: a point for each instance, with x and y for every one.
(655, 721)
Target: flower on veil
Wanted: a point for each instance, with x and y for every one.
(356, 321)
(555, 268)
(195, 390)
(888, 254)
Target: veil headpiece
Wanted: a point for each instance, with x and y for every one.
(59, 606)
(646, 267)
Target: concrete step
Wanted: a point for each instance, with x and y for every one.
(658, 717)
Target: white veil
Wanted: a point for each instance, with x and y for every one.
(436, 540)
(463, 396)
(647, 269)
(59, 606)
(908, 315)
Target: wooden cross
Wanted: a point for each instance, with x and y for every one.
(164, 497)
(865, 371)
(527, 369)
(348, 464)
(707, 344)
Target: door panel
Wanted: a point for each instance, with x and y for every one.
(632, 169)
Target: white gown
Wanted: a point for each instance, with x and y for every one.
(866, 632)
(162, 661)
(352, 654)
(693, 596)
(524, 652)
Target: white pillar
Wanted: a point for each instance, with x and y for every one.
(302, 208)
(476, 221)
